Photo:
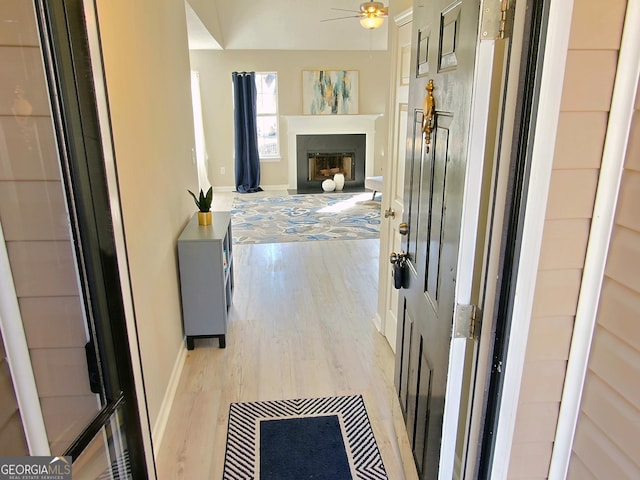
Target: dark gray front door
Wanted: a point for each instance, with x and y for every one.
(443, 48)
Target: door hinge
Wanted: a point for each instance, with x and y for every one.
(497, 19)
(467, 322)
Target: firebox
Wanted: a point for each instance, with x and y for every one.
(322, 156)
(326, 165)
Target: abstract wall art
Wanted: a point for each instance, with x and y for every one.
(330, 92)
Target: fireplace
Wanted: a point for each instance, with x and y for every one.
(322, 156)
(317, 129)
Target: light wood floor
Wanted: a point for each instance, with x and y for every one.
(300, 327)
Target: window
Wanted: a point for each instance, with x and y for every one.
(267, 114)
(198, 126)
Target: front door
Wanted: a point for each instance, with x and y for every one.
(442, 66)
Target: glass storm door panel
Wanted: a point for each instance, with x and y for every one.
(56, 223)
(107, 454)
(39, 239)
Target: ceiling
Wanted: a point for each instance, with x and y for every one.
(285, 25)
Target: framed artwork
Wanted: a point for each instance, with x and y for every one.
(330, 92)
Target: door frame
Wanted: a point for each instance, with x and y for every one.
(494, 101)
(386, 240)
(104, 123)
(471, 263)
(533, 154)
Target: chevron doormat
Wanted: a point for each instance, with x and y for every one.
(317, 438)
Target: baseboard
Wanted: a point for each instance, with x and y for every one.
(226, 189)
(275, 187)
(377, 321)
(167, 402)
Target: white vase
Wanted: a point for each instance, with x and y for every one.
(328, 185)
(338, 178)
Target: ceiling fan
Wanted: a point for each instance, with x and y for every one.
(371, 14)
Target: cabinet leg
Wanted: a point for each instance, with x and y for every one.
(222, 341)
(189, 343)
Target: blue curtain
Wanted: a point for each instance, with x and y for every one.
(246, 133)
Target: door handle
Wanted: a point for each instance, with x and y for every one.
(93, 370)
(403, 228)
(389, 212)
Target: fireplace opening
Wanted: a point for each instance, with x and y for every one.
(326, 165)
(322, 156)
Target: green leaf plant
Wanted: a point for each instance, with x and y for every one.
(203, 202)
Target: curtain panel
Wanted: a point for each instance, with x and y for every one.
(247, 161)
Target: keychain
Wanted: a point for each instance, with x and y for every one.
(399, 271)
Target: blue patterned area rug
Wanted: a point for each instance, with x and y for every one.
(318, 438)
(266, 217)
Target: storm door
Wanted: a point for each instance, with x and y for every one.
(68, 341)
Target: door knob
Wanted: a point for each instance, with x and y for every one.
(403, 228)
(389, 212)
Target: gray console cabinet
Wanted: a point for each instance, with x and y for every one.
(205, 256)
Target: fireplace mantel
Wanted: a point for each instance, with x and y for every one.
(329, 124)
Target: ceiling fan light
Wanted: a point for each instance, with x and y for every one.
(371, 21)
(372, 7)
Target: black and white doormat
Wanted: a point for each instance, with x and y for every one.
(318, 438)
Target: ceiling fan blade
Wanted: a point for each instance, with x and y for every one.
(345, 10)
(367, 9)
(339, 18)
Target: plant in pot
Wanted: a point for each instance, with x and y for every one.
(203, 202)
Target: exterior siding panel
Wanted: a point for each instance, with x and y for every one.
(586, 100)
(606, 441)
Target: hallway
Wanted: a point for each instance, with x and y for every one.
(300, 327)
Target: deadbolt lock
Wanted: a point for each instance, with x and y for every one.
(398, 258)
(403, 228)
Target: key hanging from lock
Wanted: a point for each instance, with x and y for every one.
(399, 269)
